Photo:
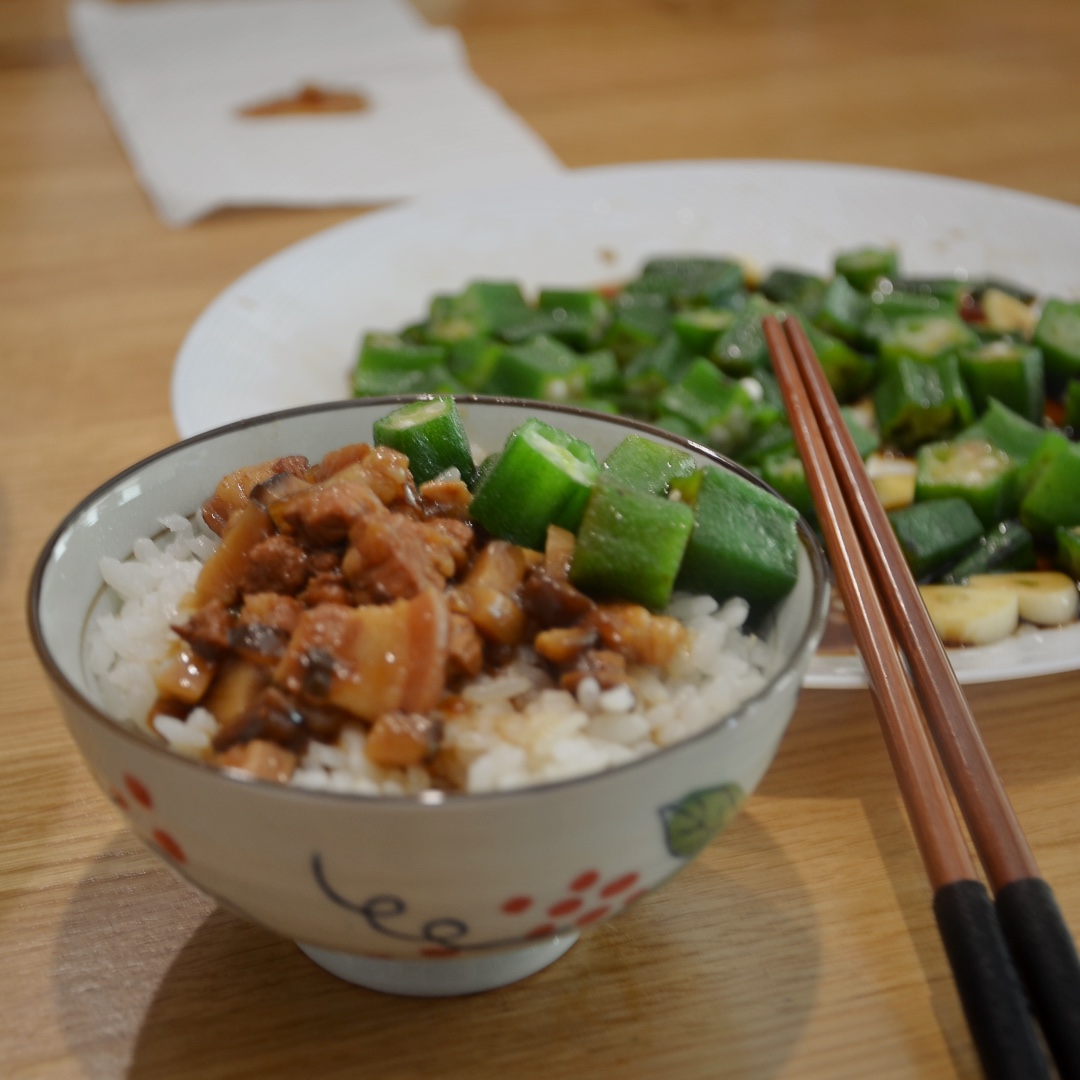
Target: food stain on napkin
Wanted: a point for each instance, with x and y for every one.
(309, 100)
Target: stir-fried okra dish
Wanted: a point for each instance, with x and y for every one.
(394, 617)
(963, 396)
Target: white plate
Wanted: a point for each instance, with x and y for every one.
(287, 332)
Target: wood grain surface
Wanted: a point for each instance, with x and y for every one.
(801, 944)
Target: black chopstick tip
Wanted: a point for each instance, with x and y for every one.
(997, 1010)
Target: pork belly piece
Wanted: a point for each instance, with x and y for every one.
(336, 460)
(235, 688)
(488, 596)
(386, 472)
(322, 515)
(223, 573)
(398, 740)
(263, 627)
(185, 676)
(393, 557)
(370, 660)
(552, 601)
(607, 667)
(445, 498)
(636, 633)
(260, 758)
(277, 564)
(207, 629)
(559, 547)
(233, 491)
(565, 644)
(465, 648)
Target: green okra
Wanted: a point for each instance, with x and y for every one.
(744, 543)
(1057, 333)
(968, 469)
(431, 434)
(542, 476)
(1052, 496)
(630, 545)
(644, 465)
(918, 401)
(1068, 549)
(934, 535)
(1008, 545)
(1007, 372)
(865, 266)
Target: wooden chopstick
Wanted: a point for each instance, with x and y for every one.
(1042, 946)
(994, 1003)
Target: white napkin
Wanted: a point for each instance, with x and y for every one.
(174, 76)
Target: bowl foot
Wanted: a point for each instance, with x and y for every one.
(447, 977)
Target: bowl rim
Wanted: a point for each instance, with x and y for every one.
(432, 798)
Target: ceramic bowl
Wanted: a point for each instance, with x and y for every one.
(431, 894)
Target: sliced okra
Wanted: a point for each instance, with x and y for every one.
(645, 465)
(431, 434)
(744, 542)
(630, 545)
(1007, 372)
(934, 535)
(1008, 545)
(542, 476)
(968, 469)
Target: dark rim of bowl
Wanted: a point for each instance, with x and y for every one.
(807, 641)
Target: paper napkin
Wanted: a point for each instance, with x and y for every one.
(177, 77)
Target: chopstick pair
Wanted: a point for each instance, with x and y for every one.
(986, 942)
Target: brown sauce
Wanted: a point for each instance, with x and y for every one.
(309, 100)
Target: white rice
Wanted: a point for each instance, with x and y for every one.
(520, 730)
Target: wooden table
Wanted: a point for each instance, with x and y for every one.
(802, 943)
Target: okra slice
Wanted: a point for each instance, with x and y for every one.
(388, 364)
(794, 288)
(1007, 372)
(542, 476)
(602, 373)
(934, 535)
(849, 373)
(540, 368)
(866, 265)
(1072, 406)
(1058, 335)
(895, 302)
(637, 320)
(690, 280)
(431, 434)
(1053, 495)
(866, 440)
(630, 545)
(656, 367)
(952, 291)
(786, 475)
(919, 401)
(742, 348)
(699, 328)
(483, 308)
(1007, 430)
(472, 361)
(927, 337)
(844, 312)
(1006, 546)
(578, 317)
(968, 469)
(643, 465)
(717, 408)
(1068, 550)
(745, 542)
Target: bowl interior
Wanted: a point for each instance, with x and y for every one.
(67, 589)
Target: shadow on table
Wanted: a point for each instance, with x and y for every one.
(719, 968)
